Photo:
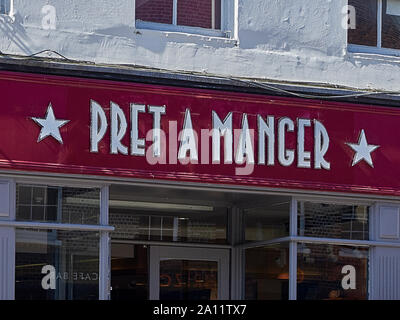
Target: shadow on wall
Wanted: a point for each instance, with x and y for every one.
(250, 39)
(134, 38)
(15, 32)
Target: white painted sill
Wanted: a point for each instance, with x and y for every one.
(10, 17)
(184, 34)
(381, 53)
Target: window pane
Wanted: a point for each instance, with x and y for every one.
(56, 204)
(365, 32)
(56, 265)
(80, 205)
(333, 221)
(170, 225)
(188, 280)
(129, 272)
(218, 14)
(154, 10)
(5, 6)
(331, 272)
(268, 220)
(391, 24)
(24, 195)
(267, 273)
(199, 13)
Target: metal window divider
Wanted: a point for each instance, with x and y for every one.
(104, 247)
(293, 250)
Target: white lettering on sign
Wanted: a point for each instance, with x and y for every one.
(137, 145)
(222, 128)
(98, 125)
(321, 145)
(118, 129)
(188, 140)
(266, 129)
(245, 146)
(238, 143)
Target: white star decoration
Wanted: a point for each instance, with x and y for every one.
(363, 150)
(50, 125)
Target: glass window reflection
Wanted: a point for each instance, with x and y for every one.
(267, 273)
(58, 204)
(333, 221)
(268, 219)
(56, 265)
(332, 272)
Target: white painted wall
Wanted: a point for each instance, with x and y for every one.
(292, 40)
(7, 240)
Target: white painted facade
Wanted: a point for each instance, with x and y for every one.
(291, 40)
(282, 40)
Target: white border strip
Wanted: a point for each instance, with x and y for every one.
(172, 244)
(379, 23)
(104, 248)
(340, 242)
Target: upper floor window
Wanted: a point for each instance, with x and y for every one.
(377, 23)
(5, 6)
(200, 16)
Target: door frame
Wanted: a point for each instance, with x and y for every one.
(157, 253)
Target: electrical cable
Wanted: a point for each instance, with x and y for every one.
(252, 83)
(308, 96)
(48, 50)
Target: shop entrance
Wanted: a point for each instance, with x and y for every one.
(184, 244)
(181, 273)
(158, 272)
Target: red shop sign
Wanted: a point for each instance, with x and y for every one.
(119, 129)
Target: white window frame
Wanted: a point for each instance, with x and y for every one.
(357, 48)
(228, 30)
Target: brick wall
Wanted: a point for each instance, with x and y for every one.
(366, 23)
(194, 13)
(190, 13)
(154, 10)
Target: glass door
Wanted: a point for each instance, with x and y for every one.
(183, 273)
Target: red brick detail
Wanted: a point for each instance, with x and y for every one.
(154, 10)
(194, 13)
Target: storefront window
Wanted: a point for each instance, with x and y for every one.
(173, 223)
(332, 272)
(267, 220)
(366, 31)
(391, 24)
(333, 221)
(129, 272)
(377, 23)
(267, 273)
(58, 204)
(56, 265)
